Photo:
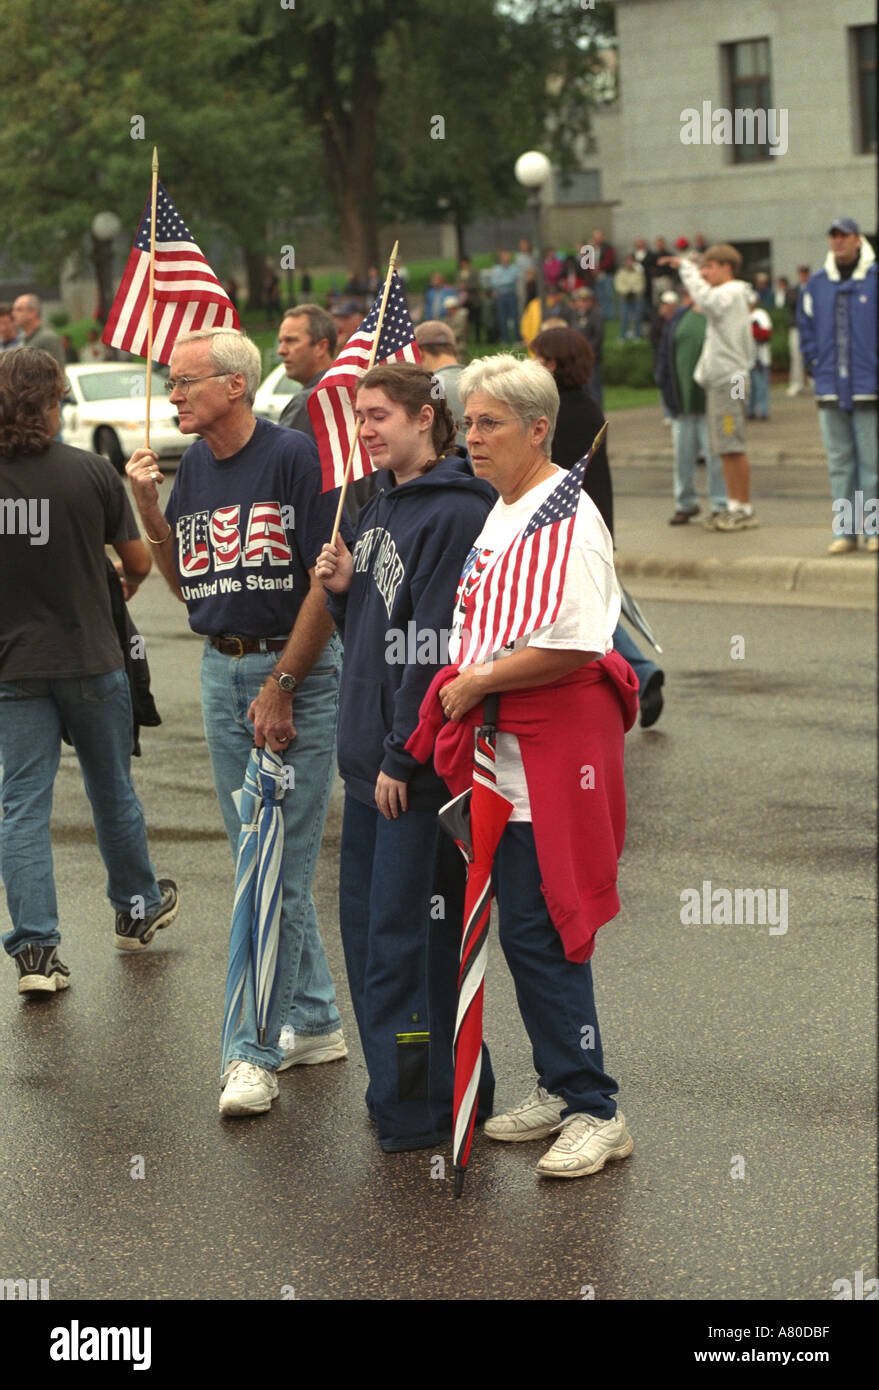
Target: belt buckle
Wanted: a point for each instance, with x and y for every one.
(231, 638)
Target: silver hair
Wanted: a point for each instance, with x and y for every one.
(525, 387)
(231, 352)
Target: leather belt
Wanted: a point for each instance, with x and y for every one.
(230, 645)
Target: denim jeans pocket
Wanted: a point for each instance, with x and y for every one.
(413, 1066)
(98, 689)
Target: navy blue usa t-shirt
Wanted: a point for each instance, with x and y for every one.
(248, 529)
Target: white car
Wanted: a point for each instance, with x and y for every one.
(105, 412)
(274, 394)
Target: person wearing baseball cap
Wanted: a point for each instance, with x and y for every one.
(837, 322)
(348, 316)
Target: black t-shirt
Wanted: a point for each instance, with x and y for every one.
(58, 509)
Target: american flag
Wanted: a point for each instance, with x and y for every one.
(186, 292)
(520, 589)
(331, 403)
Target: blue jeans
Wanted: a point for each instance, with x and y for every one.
(507, 308)
(554, 994)
(401, 898)
(304, 997)
(640, 664)
(689, 434)
(604, 294)
(631, 313)
(850, 441)
(96, 713)
(758, 405)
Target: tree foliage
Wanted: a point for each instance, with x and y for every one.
(260, 112)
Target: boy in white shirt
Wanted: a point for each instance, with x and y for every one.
(724, 369)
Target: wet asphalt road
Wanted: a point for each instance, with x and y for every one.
(735, 1049)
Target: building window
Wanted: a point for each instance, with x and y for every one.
(749, 84)
(582, 186)
(864, 44)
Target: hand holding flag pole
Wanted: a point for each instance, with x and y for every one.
(355, 439)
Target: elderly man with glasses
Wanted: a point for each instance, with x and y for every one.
(237, 543)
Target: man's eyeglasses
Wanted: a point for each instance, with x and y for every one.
(185, 383)
(484, 423)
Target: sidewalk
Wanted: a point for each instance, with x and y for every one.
(786, 554)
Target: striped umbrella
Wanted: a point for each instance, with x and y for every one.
(256, 912)
(489, 813)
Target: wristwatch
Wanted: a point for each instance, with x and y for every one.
(287, 683)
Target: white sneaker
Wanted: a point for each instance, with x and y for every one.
(537, 1116)
(584, 1146)
(306, 1051)
(249, 1090)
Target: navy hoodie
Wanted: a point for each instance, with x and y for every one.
(409, 551)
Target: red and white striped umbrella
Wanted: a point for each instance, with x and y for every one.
(489, 813)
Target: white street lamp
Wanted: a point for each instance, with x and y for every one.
(532, 171)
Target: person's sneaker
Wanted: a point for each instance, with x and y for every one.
(135, 933)
(584, 1146)
(537, 1116)
(249, 1090)
(651, 700)
(40, 971)
(873, 544)
(710, 522)
(736, 520)
(306, 1051)
(681, 518)
(843, 545)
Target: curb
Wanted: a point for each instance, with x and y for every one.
(782, 574)
(785, 459)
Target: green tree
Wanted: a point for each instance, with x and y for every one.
(501, 79)
(76, 76)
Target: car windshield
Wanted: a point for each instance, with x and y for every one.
(127, 384)
(286, 387)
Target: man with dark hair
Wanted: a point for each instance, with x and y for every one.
(62, 672)
(588, 321)
(837, 322)
(8, 335)
(437, 343)
(27, 314)
(307, 342)
(306, 346)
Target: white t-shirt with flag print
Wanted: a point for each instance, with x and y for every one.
(587, 616)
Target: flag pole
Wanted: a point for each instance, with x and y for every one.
(356, 437)
(149, 365)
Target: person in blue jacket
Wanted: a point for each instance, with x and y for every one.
(401, 880)
(836, 316)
